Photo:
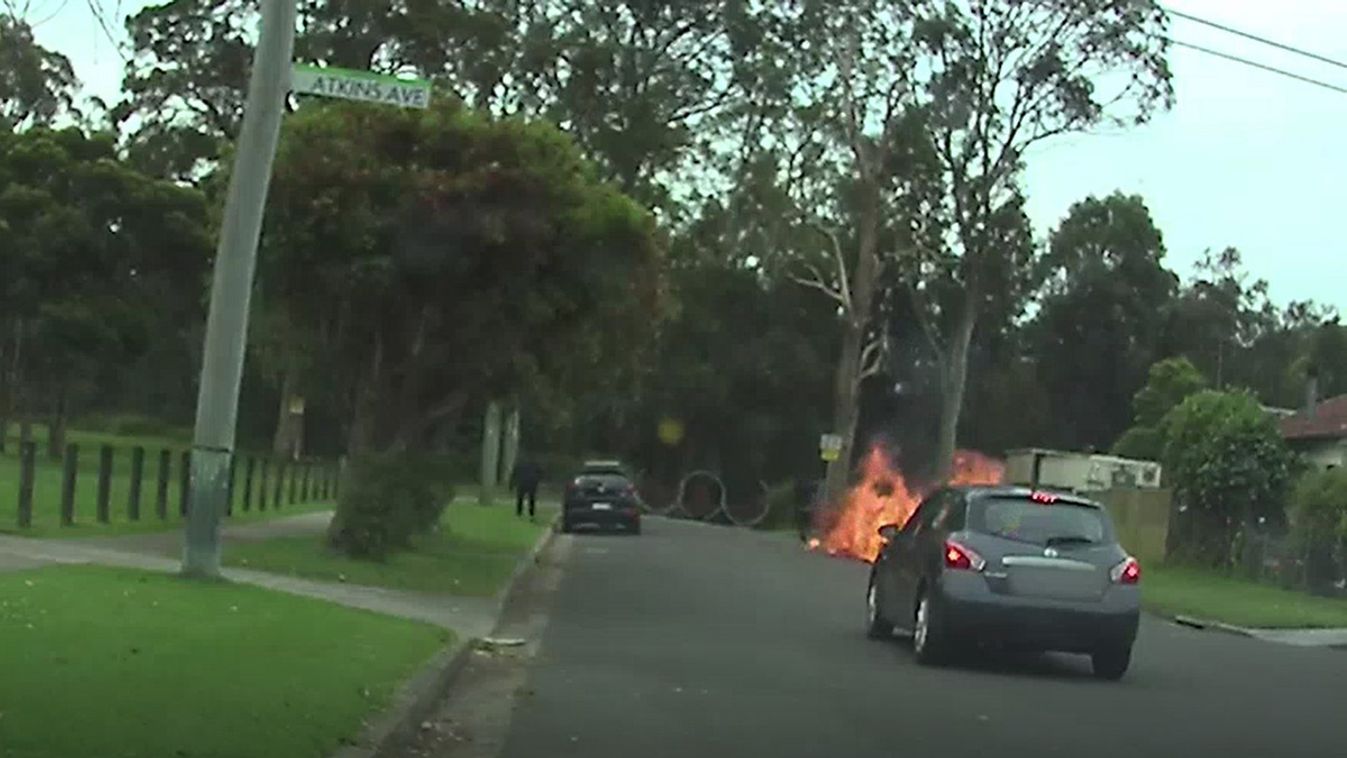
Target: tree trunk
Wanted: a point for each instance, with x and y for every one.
(365, 409)
(509, 455)
(490, 453)
(288, 441)
(847, 379)
(846, 412)
(954, 380)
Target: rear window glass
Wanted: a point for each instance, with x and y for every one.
(1024, 520)
(607, 481)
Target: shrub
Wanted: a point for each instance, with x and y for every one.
(1319, 521)
(1228, 467)
(385, 501)
(1140, 442)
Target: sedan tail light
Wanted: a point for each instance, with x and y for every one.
(962, 558)
(1127, 572)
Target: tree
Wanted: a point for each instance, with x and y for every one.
(185, 86)
(637, 83)
(1228, 467)
(1171, 382)
(36, 84)
(88, 242)
(1000, 78)
(1101, 321)
(832, 161)
(447, 259)
(1220, 315)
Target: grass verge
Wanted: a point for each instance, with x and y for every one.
(1206, 595)
(114, 662)
(474, 553)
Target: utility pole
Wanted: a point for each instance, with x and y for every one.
(231, 288)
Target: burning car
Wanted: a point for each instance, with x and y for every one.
(1012, 566)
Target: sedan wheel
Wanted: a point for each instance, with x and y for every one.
(876, 626)
(928, 641)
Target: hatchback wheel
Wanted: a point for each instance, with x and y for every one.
(928, 636)
(876, 626)
(1111, 664)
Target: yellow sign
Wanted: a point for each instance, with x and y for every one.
(830, 455)
(671, 431)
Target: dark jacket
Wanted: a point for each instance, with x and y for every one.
(527, 475)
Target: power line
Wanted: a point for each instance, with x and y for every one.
(1256, 38)
(1263, 66)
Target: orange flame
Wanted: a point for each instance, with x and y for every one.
(884, 496)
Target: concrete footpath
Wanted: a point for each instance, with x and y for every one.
(469, 617)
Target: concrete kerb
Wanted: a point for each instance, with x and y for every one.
(417, 698)
(1335, 639)
(1205, 624)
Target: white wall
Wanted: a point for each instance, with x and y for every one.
(1325, 453)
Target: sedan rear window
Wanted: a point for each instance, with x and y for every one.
(1025, 520)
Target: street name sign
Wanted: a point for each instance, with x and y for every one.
(363, 86)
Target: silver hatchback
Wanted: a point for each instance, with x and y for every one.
(1008, 566)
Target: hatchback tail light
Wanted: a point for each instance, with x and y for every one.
(962, 558)
(1127, 572)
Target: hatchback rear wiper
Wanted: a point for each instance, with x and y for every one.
(1068, 539)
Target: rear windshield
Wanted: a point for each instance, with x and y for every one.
(607, 481)
(1024, 520)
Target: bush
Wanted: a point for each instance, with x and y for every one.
(781, 505)
(1140, 442)
(385, 501)
(1228, 467)
(1319, 522)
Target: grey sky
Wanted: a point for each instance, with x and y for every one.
(1247, 158)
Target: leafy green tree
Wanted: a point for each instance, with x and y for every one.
(1106, 297)
(36, 84)
(447, 259)
(1171, 382)
(1000, 78)
(1228, 467)
(1218, 318)
(88, 242)
(186, 84)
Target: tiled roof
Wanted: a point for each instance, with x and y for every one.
(1328, 421)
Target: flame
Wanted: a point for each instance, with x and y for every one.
(884, 496)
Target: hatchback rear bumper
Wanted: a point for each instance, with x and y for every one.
(616, 516)
(978, 615)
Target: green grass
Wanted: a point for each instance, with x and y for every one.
(474, 553)
(108, 662)
(1212, 597)
(48, 478)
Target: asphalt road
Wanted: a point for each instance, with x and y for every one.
(702, 641)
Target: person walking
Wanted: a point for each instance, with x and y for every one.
(525, 478)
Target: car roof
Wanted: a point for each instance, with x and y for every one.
(980, 491)
(603, 467)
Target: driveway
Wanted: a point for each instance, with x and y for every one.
(702, 641)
